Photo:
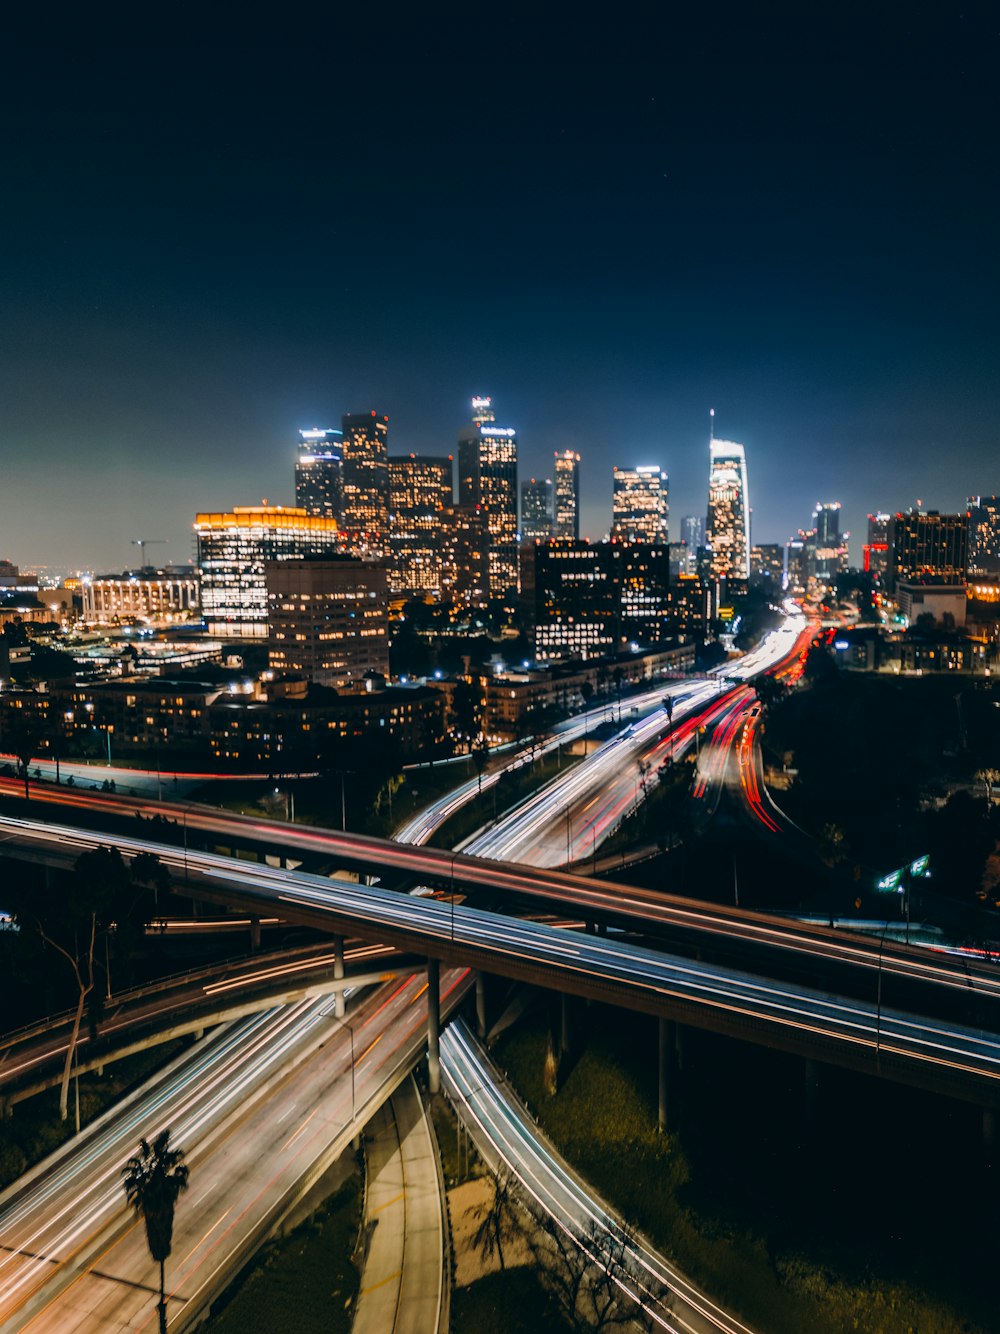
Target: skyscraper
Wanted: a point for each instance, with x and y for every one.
(727, 525)
(876, 549)
(831, 544)
(984, 534)
(567, 495)
(640, 507)
(319, 472)
(365, 469)
(926, 547)
(693, 537)
(536, 510)
(487, 477)
(420, 491)
(233, 550)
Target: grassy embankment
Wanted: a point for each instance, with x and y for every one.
(840, 1225)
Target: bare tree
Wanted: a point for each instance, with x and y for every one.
(501, 1221)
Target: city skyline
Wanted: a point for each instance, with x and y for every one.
(187, 286)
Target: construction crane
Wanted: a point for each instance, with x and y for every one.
(143, 542)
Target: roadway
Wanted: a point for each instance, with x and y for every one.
(863, 1034)
(262, 1108)
(32, 1058)
(507, 1137)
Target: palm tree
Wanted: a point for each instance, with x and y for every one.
(154, 1177)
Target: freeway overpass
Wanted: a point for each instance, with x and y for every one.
(956, 1059)
(32, 1058)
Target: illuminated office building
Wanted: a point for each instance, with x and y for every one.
(233, 549)
(319, 472)
(465, 540)
(693, 537)
(536, 510)
(727, 525)
(984, 534)
(767, 566)
(831, 544)
(328, 619)
(420, 492)
(582, 600)
(571, 598)
(487, 477)
(640, 508)
(365, 505)
(926, 547)
(566, 517)
(876, 549)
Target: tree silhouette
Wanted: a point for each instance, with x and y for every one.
(500, 1220)
(153, 1179)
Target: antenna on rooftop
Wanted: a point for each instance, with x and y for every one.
(711, 425)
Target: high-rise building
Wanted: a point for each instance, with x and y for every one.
(536, 510)
(233, 549)
(487, 477)
(581, 600)
(365, 470)
(984, 534)
(693, 537)
(831, 544)
(328, 619)
(926, 547)
(876, 549)
(640, 507)
(420, 492)
(571, 598)
(645, 592)
(767, 566)
(727, 525)
(465, 542)
(319, 472)
(567, 495)
(800, 562)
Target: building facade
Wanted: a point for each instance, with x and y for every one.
(487, 478)
(875, 557)
(365, 489)
(536, 510)
(117, 599)
(727, 524)
(319, 477)
(420, 495)
(640, 505)
(566, 517)
(328, 619)
(767, 566)
(984, 534)
(928, 547)
(233, 550)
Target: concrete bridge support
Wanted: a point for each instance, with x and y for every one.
(481, 1026)
(433, 1026)
(339, 1004)
(668, 1070)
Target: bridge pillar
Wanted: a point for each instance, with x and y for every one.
(666, 1074)
(254, 934)
(480, 1007)
(339, 1004)
(565, 1024)
(433, 1026)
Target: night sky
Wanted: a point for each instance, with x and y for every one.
(215, 232)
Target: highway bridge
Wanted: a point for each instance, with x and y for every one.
(957, 1059)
